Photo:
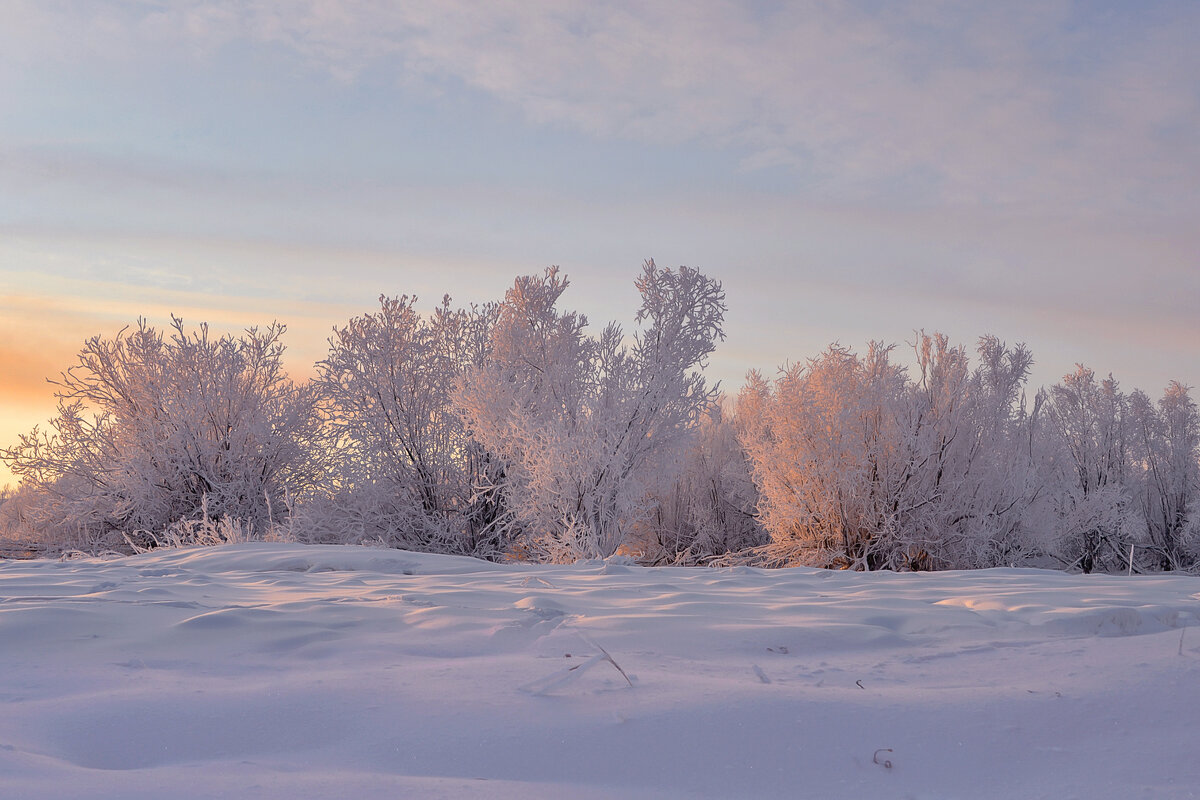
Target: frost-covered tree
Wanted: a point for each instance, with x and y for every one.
(153, 429)
(1165, 443)
(11, 513)
(710, 507)
(826, 442)
(860, 466)
(975, 452)
(409, 474)
(586, 426)
(937, 449)
(1089, 425)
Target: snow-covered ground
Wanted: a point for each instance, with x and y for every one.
(275, 670)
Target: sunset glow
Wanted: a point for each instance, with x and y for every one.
(849, 172)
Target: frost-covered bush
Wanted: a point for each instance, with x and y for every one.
(859, 466)
(407, 472)
(1090, 472)
(710, 507)
(153, 429)
(1117, 473)
(507, 430)
(206, 531)
(1165, 444)
(510, 431)
(984, 469)
(13, 510)
(587, 426)
(7, 493)
(825, 442)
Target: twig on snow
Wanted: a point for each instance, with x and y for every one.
(568, 674)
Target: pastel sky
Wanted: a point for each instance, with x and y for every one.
(849, 170)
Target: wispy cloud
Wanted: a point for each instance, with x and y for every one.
(1039, 104)
(851, 169)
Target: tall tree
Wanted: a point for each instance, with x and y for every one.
(825, 442)
(1089, 420)
(585, 425)
(410, 473)
(1166, 449)
(860, 466)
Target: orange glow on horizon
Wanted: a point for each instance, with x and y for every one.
(41, 335)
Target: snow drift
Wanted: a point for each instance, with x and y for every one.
(277, 670)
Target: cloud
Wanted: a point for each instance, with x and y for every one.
(1039, 104)
(1030, 157)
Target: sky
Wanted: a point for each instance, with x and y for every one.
(849, 170)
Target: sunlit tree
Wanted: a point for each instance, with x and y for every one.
(858, 465)
(826, 445)
(155, 428)
(586, 425)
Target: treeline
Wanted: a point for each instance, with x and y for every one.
(508, 431)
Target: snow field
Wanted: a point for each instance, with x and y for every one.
(276, 670)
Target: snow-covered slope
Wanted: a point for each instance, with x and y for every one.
(271, 670)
